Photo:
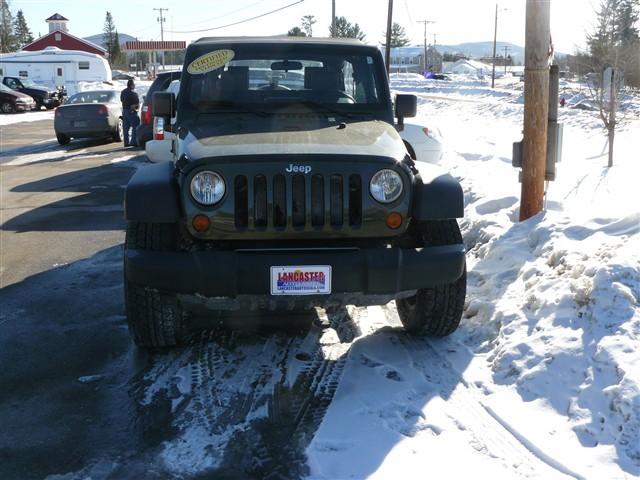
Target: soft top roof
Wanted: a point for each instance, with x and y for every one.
(279, 40)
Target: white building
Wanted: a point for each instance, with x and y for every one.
(468, 67)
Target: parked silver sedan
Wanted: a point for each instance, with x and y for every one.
(89, 114)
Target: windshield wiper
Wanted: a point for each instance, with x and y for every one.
(330, 109)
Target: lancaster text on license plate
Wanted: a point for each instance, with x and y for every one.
(302, 280)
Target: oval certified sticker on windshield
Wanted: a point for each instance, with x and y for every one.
(210, 61)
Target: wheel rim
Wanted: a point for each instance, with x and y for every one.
(6, 108)
(120, 129)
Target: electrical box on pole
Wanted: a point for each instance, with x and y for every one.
(554, 131)
(536, 107)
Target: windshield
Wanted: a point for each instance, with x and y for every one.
(27, 82)
(224, 79)
(92, 97)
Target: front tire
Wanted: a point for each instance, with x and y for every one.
(62, 138)
(436, 311)
(6, 107)
(155, 318)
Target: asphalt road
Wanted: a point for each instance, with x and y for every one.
(61, 303)
(77, 399)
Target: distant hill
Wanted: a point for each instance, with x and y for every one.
(482, 49)
(97, 39)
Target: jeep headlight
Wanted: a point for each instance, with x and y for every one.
(386, 186)
(207, 188)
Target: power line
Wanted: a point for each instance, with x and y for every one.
(237, 23)
(199, 22)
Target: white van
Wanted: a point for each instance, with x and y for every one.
(53, 67)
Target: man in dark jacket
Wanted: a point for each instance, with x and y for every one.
(130, 119)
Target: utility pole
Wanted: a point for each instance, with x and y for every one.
(161, 19)
(536, 107)
(506, 49)
(333, 18)
(424, 60)
(387, 50)
(495, 36)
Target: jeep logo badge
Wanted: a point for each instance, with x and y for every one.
(298, 168)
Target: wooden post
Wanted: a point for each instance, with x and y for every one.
(536, 107)
(495, 37)
(387, 50)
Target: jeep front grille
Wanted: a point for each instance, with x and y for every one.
(266, 202)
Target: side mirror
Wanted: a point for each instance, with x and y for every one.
(406, 106)
(163, 104)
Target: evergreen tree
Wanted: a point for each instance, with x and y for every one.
(344, 29)
(7, 36)
(296, 32)
(22, 33)
(307, 24)
(109, 36)
(398, 36)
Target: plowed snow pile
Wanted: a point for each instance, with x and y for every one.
(549, 343)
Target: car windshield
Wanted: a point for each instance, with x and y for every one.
(254, 79)
(27, 83)
(92, 97)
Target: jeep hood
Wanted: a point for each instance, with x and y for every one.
(372, 137)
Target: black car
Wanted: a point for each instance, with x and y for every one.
(144, 132)
(44, 97)
(289, 193)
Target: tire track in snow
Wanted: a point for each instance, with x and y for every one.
(243, 404)
(489, 433)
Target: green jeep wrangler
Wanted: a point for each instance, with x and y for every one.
(289, 188)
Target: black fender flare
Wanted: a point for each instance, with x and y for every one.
(439, 199)
(153, 195)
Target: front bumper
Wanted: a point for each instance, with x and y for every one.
(229, 274)
(51, 102)
(24, 107)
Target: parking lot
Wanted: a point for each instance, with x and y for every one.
(79, 399)
(62, 314)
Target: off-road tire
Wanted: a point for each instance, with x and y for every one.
(62, 138)
(155, 318)
(435, 311)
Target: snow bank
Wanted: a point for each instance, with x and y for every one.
(553, 301)
(548, 347)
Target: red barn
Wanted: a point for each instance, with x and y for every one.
(60, 37)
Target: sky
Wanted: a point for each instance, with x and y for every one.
(456, 21)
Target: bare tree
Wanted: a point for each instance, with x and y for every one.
(612, 46)
(307, 24)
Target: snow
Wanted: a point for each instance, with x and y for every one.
(33, 116)
(547, 349)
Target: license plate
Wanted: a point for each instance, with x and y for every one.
(79, 123)
(303, 280)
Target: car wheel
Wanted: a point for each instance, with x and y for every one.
(436, 311)
(62, 138)
(119, 132)
(49, 107)
(155, 318)
(7, 107)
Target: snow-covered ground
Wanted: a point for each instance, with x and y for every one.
(548, 349)
(11, 118)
